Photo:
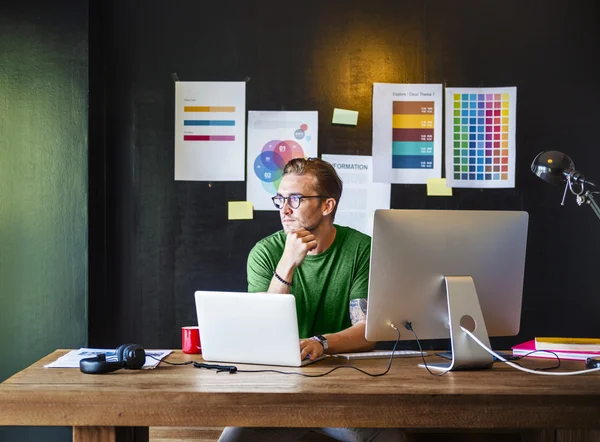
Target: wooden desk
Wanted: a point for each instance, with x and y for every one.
(122, 405)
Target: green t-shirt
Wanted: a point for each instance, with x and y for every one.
(323, 284)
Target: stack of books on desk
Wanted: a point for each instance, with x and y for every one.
(578, 349)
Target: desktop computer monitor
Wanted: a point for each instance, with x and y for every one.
(442, 270)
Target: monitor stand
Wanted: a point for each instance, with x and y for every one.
(464, 311)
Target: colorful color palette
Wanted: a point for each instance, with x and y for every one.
(412, 134)
(479, 136)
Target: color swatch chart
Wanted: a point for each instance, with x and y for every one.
(200, 120)
(412, 134)
(480, 137)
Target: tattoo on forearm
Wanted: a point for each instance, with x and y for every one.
(358, 310)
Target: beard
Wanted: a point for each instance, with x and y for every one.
(297, 225)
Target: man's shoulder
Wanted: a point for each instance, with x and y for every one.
(351, 234)
(274, 241)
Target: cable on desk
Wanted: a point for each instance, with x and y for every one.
(409, 327)
(170, 363)
(232, 369)
(527, 370)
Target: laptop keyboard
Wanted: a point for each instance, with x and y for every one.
(380, 354)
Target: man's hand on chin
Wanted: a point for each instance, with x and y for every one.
(297, 245)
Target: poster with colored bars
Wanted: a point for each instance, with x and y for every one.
(407, 132)
(480, 137)
(274, 138)
(210, 130)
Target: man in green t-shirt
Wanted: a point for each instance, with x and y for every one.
(326, 268)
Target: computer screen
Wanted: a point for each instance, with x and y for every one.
(444, 269)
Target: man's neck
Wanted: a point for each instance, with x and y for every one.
(325, 235)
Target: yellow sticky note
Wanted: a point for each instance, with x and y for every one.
(240, 210)
(437, 187)
(344, 116)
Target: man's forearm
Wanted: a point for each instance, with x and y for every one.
(278, 287)
(350, 339)
(282, 279)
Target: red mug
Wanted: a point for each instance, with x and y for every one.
(190, 340)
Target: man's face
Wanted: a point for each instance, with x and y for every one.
(309, 214)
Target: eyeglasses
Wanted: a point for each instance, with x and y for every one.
(293, 200)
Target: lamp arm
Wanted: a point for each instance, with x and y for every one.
(588, 198)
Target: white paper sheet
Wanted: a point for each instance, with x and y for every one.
(361, 196)
(72, 358)
(210, 119)
(480, 137)
(274, 138)
(407, 132)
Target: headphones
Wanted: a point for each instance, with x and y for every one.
(129, 357)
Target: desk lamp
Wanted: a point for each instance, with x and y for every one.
(557, 168)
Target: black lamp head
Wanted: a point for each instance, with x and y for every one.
(551, 166)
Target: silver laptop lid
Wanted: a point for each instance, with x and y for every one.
(232, 323)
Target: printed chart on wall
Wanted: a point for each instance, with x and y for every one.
(361, 196)
(480, 137)
(407, 132)
(210, 119)
(274, 138)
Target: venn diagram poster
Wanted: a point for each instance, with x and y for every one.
(274, 138)
(210, 120)
(407, 132)
(480, 137)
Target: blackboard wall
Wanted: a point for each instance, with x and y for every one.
(154, 240)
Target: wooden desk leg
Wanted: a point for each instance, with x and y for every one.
(111, 434)
(577, 435)
(560, 435)
(540, 435)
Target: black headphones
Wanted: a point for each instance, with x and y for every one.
(129, 356)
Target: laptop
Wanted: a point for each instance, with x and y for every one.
(249, 328)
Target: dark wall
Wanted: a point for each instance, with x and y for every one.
(161, 239)
(43, 186)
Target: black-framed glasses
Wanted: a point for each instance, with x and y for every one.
(293, 200)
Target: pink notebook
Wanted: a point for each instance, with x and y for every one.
(529, 346)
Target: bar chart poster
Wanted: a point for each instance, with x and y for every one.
(274, 138)
(480, 137)
(210, 131)
(407, 132)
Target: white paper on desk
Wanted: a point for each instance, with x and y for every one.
(361, 196)
(71, 359)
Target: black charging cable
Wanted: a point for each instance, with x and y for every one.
(170, 363)
(539, 368)
(409, 327)
(233, 369)
(220, 368)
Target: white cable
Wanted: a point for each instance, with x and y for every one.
(547, 373)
